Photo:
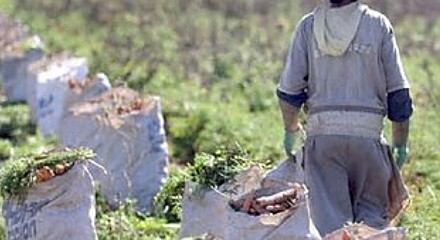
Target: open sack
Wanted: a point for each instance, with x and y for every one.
(210, 211)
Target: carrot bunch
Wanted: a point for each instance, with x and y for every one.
(46, 173)
(18, 175)
(269, 204)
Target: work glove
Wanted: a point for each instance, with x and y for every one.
(289, 142)
(290, 139)
(400, 154)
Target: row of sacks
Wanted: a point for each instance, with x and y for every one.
(263, 206)
(123, 128)
(41, 81)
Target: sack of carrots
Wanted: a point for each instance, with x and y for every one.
(269, 200)
(127, 133)
(49, 196)
(250, 207)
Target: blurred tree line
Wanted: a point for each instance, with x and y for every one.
(108, 11)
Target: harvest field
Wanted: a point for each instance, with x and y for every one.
(215, 64)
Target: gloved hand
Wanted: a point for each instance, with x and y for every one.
(400, 154)
(289, 142)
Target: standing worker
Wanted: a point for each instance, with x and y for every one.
(344, 65)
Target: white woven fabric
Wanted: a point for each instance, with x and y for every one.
(350, 123)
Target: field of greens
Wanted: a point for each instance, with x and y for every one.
(215, 65)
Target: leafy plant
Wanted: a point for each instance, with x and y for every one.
(17, 176)
(6, 149)
(208, 170)
(126, 223)
(213, 170)
(15, 123)
(168, 202)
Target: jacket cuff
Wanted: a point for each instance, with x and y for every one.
(296, 100)
(400, 106)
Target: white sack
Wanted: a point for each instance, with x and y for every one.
(61, 208)
(131, 147)
(208, 211)
(291, 170)
(13, 67)
(48, 90)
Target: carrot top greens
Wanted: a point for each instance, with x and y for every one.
(17, 176)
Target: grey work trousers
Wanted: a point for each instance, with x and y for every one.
(348, 181)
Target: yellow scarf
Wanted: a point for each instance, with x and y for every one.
(335, 28)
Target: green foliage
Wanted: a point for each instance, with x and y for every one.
(207, 170)
(168, 202)
(185, 131)
(6, 150)
(17, 176)
(33, 144)
(15, 122)
(213, 170)
(205, 128)
(423, 179)
(126, 223)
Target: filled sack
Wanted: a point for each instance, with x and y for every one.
(127, 133)
(253, 206)
(49, 86)
(59, 202)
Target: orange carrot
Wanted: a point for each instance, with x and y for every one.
(276, 208)
(59, 169)
(277, 198)
(248, 202)
(44, 174)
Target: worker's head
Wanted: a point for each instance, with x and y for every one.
(342, 1)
